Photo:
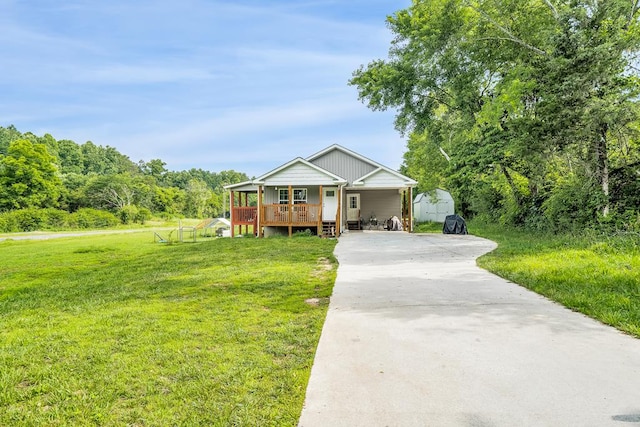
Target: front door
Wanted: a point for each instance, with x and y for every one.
(329, 203)
(353, 207)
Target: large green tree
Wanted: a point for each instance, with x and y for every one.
(155, 168)
(70, 157)
(8, 135)
(169, 200)
(510, 96)
(198, 198)
(115, 192)
(105, 160)
(28, 177)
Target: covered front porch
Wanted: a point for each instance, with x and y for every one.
(272, 210)
(333, 209)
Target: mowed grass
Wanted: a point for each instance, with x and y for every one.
(428, 227)
(597, 275)
(117, 330)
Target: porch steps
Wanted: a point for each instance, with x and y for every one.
(328, 229)
(353, 225)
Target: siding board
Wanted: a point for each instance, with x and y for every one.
(344, 165)
(300, 175)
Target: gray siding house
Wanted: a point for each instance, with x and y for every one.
(331, 191)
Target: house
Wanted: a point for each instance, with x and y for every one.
(331, 191)
(433, 206)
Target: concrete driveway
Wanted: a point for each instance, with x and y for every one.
(417, 335)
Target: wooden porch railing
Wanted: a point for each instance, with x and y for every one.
(276, 215)
(294, 215)
(244, 215)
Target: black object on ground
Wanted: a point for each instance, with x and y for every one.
(454, 224)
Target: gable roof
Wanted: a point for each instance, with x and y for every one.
(433, 196)
(242, 186)
(360, 170)
(384, 178)
(372, 167)
(339, 148)
(304, 172)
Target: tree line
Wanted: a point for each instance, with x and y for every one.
(527, 111)
(42, 173)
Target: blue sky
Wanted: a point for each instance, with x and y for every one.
(244, 85)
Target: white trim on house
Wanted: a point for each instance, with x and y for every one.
(333, 179)
(374, 180)
(242, 186)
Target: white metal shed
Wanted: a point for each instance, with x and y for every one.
(433, 206)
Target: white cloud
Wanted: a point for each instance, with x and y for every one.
(196, 81)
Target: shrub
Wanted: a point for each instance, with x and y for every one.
(573, 204)
(32, 219)
(303, 233)
(55, 219)
(143, 215)
(92, 218)
(8, 223)
(28, 219)
(616, 222)
(128, 214)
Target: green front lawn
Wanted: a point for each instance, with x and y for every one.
(118, 330)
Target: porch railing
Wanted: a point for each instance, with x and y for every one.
(284, 215)
(279, 215)
(245, 215)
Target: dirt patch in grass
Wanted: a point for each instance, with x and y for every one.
(316, 302)
(322, 266)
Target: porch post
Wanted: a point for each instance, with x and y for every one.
(246, 203)
(232, 204)
(320, 214)
(411, 209)
(404, 209)
(258, 232)
(339, 213)
(290, 216)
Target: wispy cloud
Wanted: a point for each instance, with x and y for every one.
(231, 126)
(194, 80)
(142, 74)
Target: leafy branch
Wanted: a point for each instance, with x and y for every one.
(509, 35)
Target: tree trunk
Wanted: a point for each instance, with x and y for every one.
(516, 194)
(602, 167)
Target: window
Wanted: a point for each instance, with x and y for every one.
(330, 193)
(283, 196)
(299, 195)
